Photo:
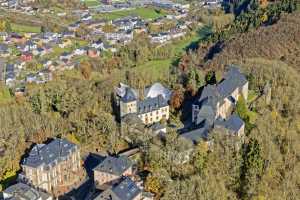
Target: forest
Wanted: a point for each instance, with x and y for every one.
(78, 105)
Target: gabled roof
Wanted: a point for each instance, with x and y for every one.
(233, 79)
(151, 104)
(125, 190)
(3, 47)
(49, 154)
(22, 191)
(233, 123)
(130, 95)
(126, 93)
(157, 89)
(114, 165)
(197, 134)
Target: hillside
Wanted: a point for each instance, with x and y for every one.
(280, 41)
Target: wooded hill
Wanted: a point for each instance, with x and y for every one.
(280, 41)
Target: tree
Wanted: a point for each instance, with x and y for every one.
(86, 69)
(7, 26)
(252, 169)
(200, 157)
(177, 97)
(153, 184)
(210, 78)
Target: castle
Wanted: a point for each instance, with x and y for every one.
(216, 104)
(152, 108)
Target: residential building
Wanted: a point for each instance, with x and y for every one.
(53, 167)
(21, 191)
(111, 170)
(215, 106)
(4, 50)
(125, 190)
(10, 74)
(151, 109)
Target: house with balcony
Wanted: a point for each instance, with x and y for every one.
(54, 167)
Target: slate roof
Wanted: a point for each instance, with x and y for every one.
(10, 71)
(210, 97)
(129, 95)
(114, 165)
(207, 113)
(126, 93)
(151, 104)
(157, 126)
(2, 65)
(157, 89)
(125, 190)
(3, 48)
(197, 134)
(49, 154)
(22, 191)
(233, 123)
(233, 79)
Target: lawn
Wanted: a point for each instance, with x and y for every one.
(25, 28)
(145, 13)
(92, 3)
(157, 69)
(4, 95)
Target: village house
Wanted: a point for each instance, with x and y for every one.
(215, 106)
(10, 74)
(26, 56)
(65, 43)
(3, 36)
(152, 108)
(65, 57)
(2, 67)
(111, 170)
(29, 46)
(119, 37)
(16, 38)
(160, 38)
(21, 191)
(93, 53)
(68, 34)
(80, 51)
(53, 167)
(125, 190)
(4, 50)
(74, 26)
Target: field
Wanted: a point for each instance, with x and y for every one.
(4, 95)
(92, 3)
(25, 29)
(145, 13)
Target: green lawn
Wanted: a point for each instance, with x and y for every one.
(92, 3)
(145, 13)
(25, 29)
(4, 95)
(157, 69)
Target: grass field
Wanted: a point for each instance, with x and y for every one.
(145, 13)
(25, 28)
(92, 3)
(4, 95)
